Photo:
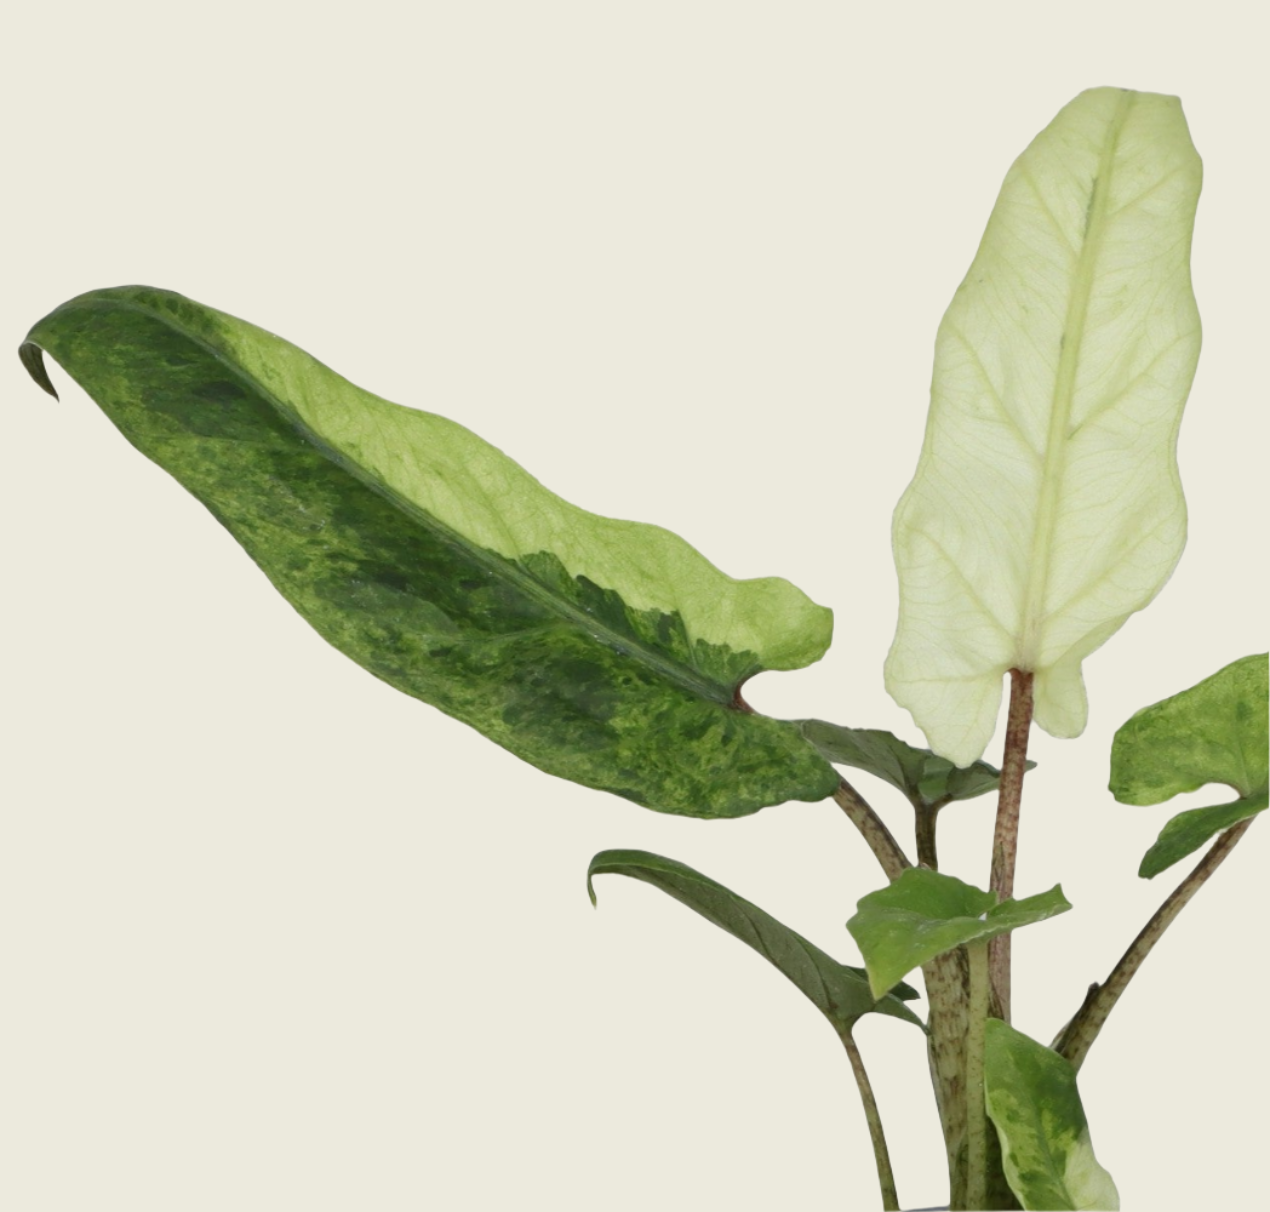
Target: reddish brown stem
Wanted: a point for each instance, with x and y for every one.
(1005, 841)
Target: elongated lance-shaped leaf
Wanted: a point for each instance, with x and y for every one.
(924, 777)
(606, 652)
(1034, 1104)
(839, 991)
(1216, 732)
(1046, 507)
(924, 913)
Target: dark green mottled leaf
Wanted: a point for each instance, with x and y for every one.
(840, 992)
(1189, 830)
(924, 913)
(605, 652)
(924, 777)
(1045, 1147)
(1215, 732)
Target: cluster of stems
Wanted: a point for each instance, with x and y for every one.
(966, 987)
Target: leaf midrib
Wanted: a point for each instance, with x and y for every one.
(1061, 401)
(499, 565)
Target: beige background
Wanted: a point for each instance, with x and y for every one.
(273, 936)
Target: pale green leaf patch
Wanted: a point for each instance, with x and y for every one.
(606, 652)
(925, 778)
(1217, 731)
(924, 913)
(1033, 1102)
(1046, 507)
(839, 991)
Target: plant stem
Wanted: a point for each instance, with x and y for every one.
(946, 981)
(1075, 1040)
(1005, 841)
(880, 840)
(886, 1177)
(926, 816)
(976, 1113)
(884, 846)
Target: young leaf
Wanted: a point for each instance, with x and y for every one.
(924, 913)
(924, 777)
(605, 652)
(1045, 1148)
(1046, 507)
(1188, 831)
(839, 991)
(1215, 732)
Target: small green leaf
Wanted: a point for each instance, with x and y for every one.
(1045, 1147)
(1189, 830)
(1215, 732)
(924, 777)
(606, 652)
(924, 913)
(839, 991)
(1046, 506)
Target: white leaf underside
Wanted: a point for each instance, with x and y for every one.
(1046, 506)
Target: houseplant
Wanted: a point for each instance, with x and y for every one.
(613, 655)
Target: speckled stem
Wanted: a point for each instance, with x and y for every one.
(1005, 840)
(883, 844)
(976, 1112)
(886, 1177)
(1075, 1040)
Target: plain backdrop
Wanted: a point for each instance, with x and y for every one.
(274, 936)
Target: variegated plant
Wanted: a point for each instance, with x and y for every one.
(1046, 508)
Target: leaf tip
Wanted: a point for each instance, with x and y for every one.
(33, 359)
(590, 879)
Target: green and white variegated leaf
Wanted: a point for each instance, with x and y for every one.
(1218, 731)
(839, 991)
(606, 652)
(924, 913)
(1033, 1102)
(1046, 507)
(927, 779)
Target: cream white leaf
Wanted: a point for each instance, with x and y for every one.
(1046, 507)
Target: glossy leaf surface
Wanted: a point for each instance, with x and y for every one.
(1215, 732)
(1046, 507)
(924, 777)
(1033, 1102)
(602, 651)
(840, 992)
(924, 913)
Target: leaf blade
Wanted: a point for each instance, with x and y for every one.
(1046, 506)
(924, 913)
(924, 777)
(1033, 1102)
(839, 991)
(1188, 831)
(1216, 731)
(377, 536)
(1213, 732)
